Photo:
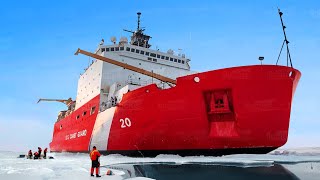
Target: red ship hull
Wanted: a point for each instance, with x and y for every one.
(234, 110)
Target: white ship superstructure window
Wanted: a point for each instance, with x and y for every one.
(146, 53)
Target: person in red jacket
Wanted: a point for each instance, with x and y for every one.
(94, 156)
(30, 154)
(39, 151)
(45, 153)
(36, 155)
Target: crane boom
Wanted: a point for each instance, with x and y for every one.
(64, 101)
(127, 66)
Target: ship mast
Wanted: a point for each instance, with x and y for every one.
(285, 41)
(138, 38)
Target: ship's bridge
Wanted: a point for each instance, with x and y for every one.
(146, 54)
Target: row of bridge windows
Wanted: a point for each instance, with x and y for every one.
(146, 53)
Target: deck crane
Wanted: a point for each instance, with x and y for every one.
(69, 102)
(64, 101)
(127, 66)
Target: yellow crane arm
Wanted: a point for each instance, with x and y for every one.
(64, 101)
(127, 66)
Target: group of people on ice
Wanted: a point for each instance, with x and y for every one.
(37, 154)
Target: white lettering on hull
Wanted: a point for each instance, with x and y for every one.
(76, 134)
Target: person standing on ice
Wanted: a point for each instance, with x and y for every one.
(94, 156)
(45, 153)
(39, 151)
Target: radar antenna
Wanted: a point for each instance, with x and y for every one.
(138, 38)
(284, 41)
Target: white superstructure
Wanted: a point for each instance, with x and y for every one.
(106, 79)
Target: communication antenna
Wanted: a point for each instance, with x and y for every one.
(139, 14)
(284, 41)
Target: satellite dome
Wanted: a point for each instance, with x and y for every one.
(124, 40)
(113, 39)
(170, 51)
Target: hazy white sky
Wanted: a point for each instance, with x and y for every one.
(38, 40)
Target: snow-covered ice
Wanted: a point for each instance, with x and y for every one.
(77, 166)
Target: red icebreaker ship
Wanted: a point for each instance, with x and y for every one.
(136, 101)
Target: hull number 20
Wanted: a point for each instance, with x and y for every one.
(125, 123)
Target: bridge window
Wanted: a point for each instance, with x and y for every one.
(121, 48)
(182, 61)
(147, 53)
(112, 49)
(158, 56)
(103, 49)
(171, 59)
(137, 51)
(162, 57)
(167, 58)
(128, 49)
(179, 61)
(107, 49)
(142, 52)
(155, 60)
(117, 48)
(149, 58)
(152, 54)
(132, 50)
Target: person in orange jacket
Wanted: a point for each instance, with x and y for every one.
(94, 156)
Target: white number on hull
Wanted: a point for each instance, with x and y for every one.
(125, 123)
